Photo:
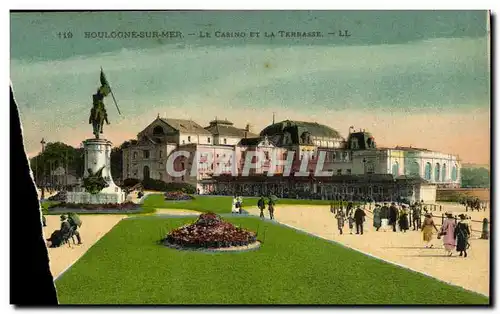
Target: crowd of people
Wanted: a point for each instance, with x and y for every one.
(455, 234)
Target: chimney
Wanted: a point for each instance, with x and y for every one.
(247, 129)
(273, 117)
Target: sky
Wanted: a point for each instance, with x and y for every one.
(418, 78)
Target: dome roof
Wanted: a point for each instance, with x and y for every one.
(314, 128)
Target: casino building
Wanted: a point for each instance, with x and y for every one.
(323, 163)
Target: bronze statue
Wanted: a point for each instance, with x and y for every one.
(98, 114)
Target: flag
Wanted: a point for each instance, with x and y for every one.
(105, 89)
(103, 79)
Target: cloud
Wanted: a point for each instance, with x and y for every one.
(242, 82)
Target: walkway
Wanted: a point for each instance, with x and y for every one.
(402, 248)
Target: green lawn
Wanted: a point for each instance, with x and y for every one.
(216, 204)
(127, 266)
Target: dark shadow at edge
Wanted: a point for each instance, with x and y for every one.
(31, 282)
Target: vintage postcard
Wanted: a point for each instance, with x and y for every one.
(259, 157)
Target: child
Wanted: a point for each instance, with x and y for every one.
(340, 220)
(351, 222)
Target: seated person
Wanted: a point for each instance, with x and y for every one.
(57, 237)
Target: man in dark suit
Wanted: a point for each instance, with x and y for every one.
(393, 216)
(359, 218)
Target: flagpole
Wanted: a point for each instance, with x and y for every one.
(112, 95)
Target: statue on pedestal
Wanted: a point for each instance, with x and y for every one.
(98, 114)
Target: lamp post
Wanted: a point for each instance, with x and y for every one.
(43, 173)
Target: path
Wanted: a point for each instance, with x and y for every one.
(93, 228)
(402, 248)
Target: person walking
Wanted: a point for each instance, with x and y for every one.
(359, 218)
(416, 216)
(384, 214)
(403, 219)
(261, 203)
(393, 216)
(377, 219)
(270, 207)
(462, 235)
(332, 208)
(427, 226)
(448, 233)
(239, 204)
(340, 220)
(351, 222)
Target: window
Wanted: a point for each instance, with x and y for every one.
(334, 156)
(414, 169)
(208, 139)
(189, 138)
(348, 171)
(346, 156)
(134, 155)
(160, 153)
(158, 130)
(182, 178)
(160, 176)
(183, 142)
(427, 171)
(145, 154)
(437, 172)
(443, 171)
(145, 173)
(395, 169)
(454, 173)
(339, 171)
(354, 143)
(225, 141)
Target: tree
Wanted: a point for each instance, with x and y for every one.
(56, 155)
(117, 161)
(475, 178)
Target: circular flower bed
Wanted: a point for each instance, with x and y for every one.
(124, 206)
(209, 232)
(177, 196)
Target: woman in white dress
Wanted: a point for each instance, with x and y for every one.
(234, 208)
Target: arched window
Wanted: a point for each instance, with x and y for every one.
(135, 155)
(395, 169)
(428, 171)
(413, 169)
(443, 173)
(225, 141)
(145, 173)
(189, 138)
(454, 173)
(158, 130)
(437, 172)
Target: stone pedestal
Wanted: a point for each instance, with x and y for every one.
(97, 155)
